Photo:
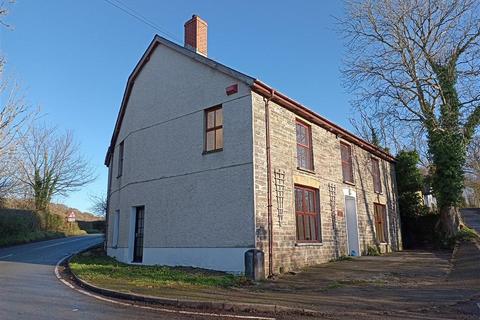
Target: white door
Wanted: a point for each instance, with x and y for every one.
(352, 226)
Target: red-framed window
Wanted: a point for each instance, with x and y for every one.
(121, 148)
(214, 129)
(380, 213)
(377, 179)
(304, 146)
(307, 214)
(347, 165)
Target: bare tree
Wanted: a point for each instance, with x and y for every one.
(99, 204)
(14, 117)
(4, 12)
(416, 64)
(51, 165)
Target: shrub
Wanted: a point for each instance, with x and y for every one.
(466, 234)
(14, 221)
(372, 251)
(410, 183)
(22, 226)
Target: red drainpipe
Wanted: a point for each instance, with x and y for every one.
(269, 184)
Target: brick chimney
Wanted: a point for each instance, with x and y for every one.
(196, 35)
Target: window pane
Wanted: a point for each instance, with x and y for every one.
(309, 201)
(120, 158)
(377, 184)
(116, 226)
(307, 228)
(300, 233)
(308, 160)
(210, 119)
(210, 145)
(302, 136)
(318, 227)
(298, 200)
(346, 162)
(345, 150)
(348, 172)
(344, 171)
(301, 157)
(219, 138)
(313, 233)
(218, 117)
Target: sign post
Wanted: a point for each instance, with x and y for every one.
(71, 217)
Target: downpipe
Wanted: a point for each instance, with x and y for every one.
(269, 184)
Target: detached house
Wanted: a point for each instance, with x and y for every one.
(206, 163)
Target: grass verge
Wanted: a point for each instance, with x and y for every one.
(466, 234)
(97, 268)
(27, 237)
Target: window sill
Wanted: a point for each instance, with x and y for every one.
(306, 170)
(378, 193)
(212, 151)
(308, 244)
(349, 183)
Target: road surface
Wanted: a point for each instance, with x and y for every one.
(471, 217)
(30, 290)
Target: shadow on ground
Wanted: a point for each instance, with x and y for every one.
(402, 285)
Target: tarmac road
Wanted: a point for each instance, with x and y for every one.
(29, 288)
(471, 217)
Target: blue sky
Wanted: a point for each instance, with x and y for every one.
(73, 58)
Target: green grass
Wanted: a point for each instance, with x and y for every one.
(466, 234)
(334, 285)
(97, 268)
(344, 258)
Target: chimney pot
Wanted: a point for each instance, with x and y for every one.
(196, 35)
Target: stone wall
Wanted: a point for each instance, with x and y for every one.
(288, 253)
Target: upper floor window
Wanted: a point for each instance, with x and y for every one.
(304, 146)
(120, 159)
(380, 213)
(347, 165)
(377, 180)
(308, 214)
(214, 129)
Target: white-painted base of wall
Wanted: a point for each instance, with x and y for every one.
(222, 259)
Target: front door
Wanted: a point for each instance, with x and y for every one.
(352, 226)
(138, 241)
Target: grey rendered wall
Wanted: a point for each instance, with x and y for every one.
(191, 200)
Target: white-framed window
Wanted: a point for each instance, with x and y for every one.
(121, 148)
(116, 228)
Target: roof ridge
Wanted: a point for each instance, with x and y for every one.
(255, 85)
